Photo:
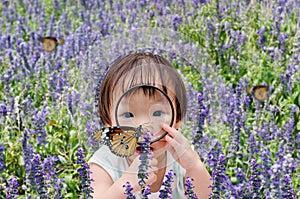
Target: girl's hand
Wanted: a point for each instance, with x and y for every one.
(180, 148)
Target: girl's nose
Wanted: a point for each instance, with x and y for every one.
(145, 120)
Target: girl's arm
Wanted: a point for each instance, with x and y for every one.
(183, 153)
(201, 177)
(104, 187)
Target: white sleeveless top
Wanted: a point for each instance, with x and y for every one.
(115, 166)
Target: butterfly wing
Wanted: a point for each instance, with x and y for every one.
(260, 93)
(61, 41)
(98, 135)
(49, 43)
(124, 144)
(122, 141)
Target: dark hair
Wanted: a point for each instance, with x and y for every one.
(137, 69)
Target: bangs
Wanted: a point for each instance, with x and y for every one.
(146, 74)
(150, 92)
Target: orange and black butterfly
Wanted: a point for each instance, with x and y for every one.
(260, 93)
(50, 43)
(121, 140)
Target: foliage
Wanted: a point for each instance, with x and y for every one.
(250, 147)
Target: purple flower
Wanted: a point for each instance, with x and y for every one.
(12, 188)
(128, 190)
(39, 176)
(122, 16)
(2, 158)
(146, 192)
(196, 4)
(166, 192)
(242, 184)
(289, 129)
(51, 175)
(72, 101)
(56, 5)
(294, 110)
(265, 156)
(236, 118)
(221, 183)
(144, 157)
(28, 156)
(199, 139)
(213, 155)
(275, 173)
(288, 164)
(84, 172)
(3, 109)
(261, 37)
(189, 192)
(176, 21)
(253, 146)
(40, 121)
(287, 79)
(255, 179)
(287, 191)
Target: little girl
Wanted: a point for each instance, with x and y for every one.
(173, 151)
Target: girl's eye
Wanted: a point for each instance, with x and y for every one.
(128, 115)
(158, 113)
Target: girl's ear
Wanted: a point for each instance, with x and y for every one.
(177, 124)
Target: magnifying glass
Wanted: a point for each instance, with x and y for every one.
(146, 108)
(140, 109)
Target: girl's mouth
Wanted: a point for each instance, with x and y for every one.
(139, 149)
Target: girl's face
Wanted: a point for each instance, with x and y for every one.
(148, 111)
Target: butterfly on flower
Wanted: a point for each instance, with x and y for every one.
(50, 43)
(121, 140)
(260, 92)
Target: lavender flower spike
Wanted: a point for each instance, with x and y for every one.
(167, 191)
(2, 158)
(84, 172)
(286, 187)
(145, 155)
(39, 176)
(146, 192)
(189, 192)
(128, 190)
(12, 188)
(255, 179)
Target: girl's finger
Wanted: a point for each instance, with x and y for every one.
(177, 148)
(171, 148)
(174, 133)
(172, 143)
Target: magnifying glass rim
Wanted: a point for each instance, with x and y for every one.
(150, 86)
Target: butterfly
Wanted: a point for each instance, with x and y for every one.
(121, 140)
(50, 43)
(260, 93)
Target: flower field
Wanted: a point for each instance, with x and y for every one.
(227, 51)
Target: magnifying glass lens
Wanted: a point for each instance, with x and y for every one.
(145, 107)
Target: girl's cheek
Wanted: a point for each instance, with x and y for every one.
(159, 145)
